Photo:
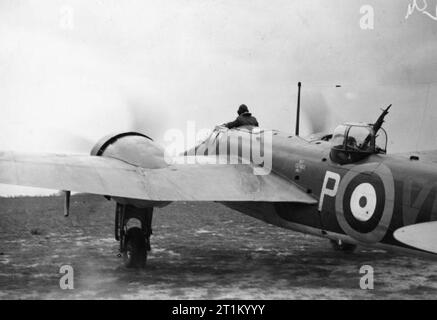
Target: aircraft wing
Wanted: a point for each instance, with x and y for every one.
(179, 182)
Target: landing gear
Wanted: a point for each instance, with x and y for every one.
(135, 253)
(134, 240)
(340, 245)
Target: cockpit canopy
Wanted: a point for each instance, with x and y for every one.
(353, 142)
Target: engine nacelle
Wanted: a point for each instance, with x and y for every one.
(136, 149)
(131, 147)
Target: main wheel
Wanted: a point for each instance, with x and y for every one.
(340, 245)
(135, 253)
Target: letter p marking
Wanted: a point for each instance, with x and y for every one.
(332, 189)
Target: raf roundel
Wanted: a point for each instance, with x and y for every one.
(364, 202)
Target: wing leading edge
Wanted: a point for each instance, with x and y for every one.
(112, 177)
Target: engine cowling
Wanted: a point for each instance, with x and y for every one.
(131, 147)
(136, 149)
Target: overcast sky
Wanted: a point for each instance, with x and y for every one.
(73, 71)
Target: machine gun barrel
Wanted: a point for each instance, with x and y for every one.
(378, 124)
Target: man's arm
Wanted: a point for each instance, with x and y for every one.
(232, 124)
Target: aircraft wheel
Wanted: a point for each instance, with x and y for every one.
(339, 245)
(135, 253)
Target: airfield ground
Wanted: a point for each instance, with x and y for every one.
(199, 251)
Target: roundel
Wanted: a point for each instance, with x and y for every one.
(364, 202)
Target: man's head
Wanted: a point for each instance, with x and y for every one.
(242, 109)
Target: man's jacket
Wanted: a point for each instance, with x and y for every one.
(244, 119)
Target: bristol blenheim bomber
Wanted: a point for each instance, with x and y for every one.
(342, 186)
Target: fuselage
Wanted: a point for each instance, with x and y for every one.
(363, 202)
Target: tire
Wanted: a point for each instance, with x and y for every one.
(339, 245)
(135, 253)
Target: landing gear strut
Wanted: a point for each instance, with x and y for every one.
(340, 245)
(134, 240)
